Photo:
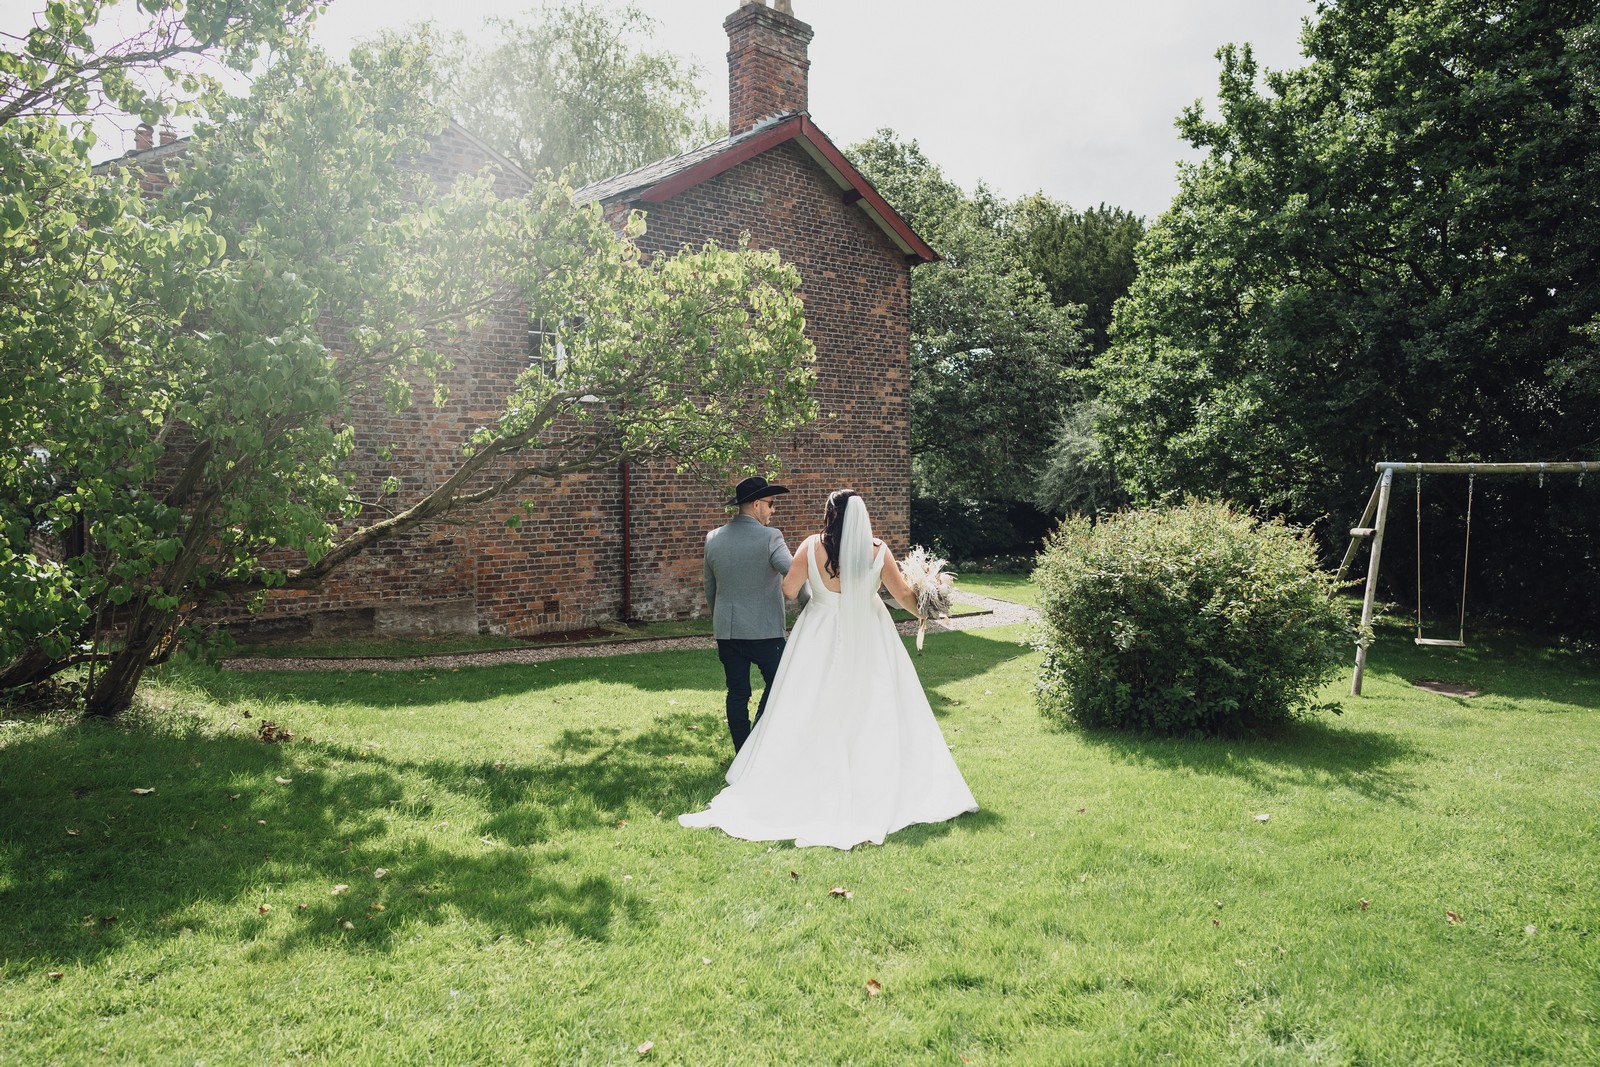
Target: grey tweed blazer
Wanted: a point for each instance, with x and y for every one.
(744, 569)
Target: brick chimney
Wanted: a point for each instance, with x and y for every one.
(143, 136)
(767, 64)
(168, 135)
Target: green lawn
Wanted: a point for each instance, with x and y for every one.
(1118, 900)
(1017, 588)
(408, 647)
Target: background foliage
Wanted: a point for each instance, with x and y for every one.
(180, 372)
(575, 87)
(1390, 253)
(998, 334)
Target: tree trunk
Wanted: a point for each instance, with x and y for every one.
(115, 685)
(34, 665)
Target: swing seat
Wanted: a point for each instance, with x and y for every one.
(1440, 642)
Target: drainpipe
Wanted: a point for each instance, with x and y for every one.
(627, 545)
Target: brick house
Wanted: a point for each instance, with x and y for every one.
(626, 543)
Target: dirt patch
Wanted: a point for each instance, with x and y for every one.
(1449, 689)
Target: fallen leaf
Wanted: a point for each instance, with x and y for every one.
(340, 888)
(873, 988)
(1218, 903)
(1530, 929)
(499, 766)
(261, 822)
(1454, 919)
(141, 792)
(74, 833)
(1082, 810)
(621, 823)
(376, 907)
(646, 1047)
(380, 872)
(1263, 817)
(1365, 903)
(301, 907)
(108, 920)
(694, 726)
(706, 960)
(794, 876)
(840, 891)
(263, 909)
(348, 925)
(1217, 923)
(281, 780)
(233, 796)
(56, 975)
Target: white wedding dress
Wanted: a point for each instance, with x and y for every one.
(848, 749)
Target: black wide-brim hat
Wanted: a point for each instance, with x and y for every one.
(754, 489)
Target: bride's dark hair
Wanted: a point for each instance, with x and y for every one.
(833, 526)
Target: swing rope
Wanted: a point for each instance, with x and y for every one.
(1419, 555)
(1466, 554)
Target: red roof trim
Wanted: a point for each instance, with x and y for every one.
(817, 144)
(887, 214)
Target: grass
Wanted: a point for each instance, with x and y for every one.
(1116, 901)
(409, 647)
(1017, 588)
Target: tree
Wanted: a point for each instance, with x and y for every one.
(991, 355)
(191, 417)
(569, 89)
(59, 71)
(78, 257)
(1083, 257)
(1390, 252)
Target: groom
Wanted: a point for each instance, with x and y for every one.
(746, 560)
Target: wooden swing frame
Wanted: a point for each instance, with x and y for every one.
(1378, 509)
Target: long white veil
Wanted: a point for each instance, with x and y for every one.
(858, 575)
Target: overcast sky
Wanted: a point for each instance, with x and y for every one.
(1076, 99)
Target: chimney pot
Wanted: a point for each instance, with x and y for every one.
(168, 135)
(768, 68)
(143, 136)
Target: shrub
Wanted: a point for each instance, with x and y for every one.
(1191, 619)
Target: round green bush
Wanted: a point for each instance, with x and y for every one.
(1189, 619)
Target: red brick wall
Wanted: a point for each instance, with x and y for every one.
(562, 568)
(856, 289)
(559, 570)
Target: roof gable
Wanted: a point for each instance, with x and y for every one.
(666, 178)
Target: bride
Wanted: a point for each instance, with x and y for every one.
(848, 749)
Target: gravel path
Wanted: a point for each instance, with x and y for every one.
(994, 613)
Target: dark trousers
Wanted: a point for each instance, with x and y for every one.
(737, 656)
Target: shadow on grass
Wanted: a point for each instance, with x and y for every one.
(949, 657)
(1496, 663)
(1303, 753)
(87, 866)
